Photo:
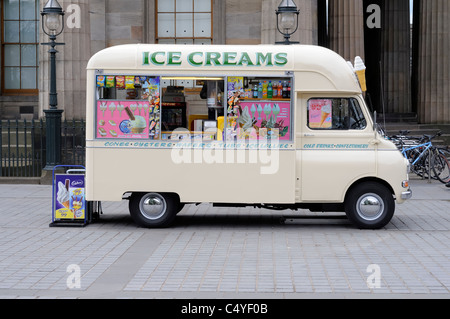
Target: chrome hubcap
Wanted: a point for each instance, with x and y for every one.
(152, 206)
(370, 207)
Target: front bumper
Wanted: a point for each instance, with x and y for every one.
(407, 195)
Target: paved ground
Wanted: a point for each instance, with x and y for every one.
(224, 253)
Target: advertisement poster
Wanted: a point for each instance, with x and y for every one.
(69, 199)
(129, 119)
(265, 116)
(320, 114)
(123, 119)
(235, 84)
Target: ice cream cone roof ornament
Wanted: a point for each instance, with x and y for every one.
(360, 70)
(359, 64)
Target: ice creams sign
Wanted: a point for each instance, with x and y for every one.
(217, 59)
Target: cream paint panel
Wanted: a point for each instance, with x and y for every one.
(327, 174)
(115, 171)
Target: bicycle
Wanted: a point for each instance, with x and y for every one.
(427, 160)
(441, 164)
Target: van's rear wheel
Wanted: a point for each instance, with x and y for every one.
(153, 210)
(370, 205)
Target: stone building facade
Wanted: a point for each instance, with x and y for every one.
(408, 72)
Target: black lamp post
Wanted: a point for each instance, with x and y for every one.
(287, 20)
(53, 25)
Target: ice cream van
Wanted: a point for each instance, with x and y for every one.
(275, 127)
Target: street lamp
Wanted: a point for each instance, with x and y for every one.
(287, 20)
(53, 25)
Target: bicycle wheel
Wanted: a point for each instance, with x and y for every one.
(441, 168)
(422, 168)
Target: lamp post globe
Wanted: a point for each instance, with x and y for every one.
(52, 14)
(287, 20)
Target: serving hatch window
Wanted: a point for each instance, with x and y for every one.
(259, 108)
(335, 114)
(128, 107)
(211, 108)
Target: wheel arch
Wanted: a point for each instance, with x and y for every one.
(369, 179)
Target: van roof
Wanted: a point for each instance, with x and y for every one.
(316, 69)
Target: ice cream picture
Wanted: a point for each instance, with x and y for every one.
(63, 196)
(260, 111)
(276, 111)
(112, 108)
(253, 109)
(326, 111)
(133, 108)
(103, 108)
(146, 106)
(77, 203)
(267, 111)
(137, 123)
(120, 108)
(246, 120)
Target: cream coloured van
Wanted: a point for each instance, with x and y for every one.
(276, 127)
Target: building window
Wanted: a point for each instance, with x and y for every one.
(184, 21)
(20, 40)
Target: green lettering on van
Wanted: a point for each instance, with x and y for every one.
(192, 60)
(262, 59)
(154, 60)
(146, 61)
(281, 59)
(213, 58)
(174, 58)
(245, 60)
(229, 58)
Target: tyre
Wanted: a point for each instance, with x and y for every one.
(153, 210)
(370, 205)
(441, 168)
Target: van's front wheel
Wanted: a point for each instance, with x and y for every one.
(370, 205)
(153, 210)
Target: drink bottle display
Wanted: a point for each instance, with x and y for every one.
(270, 90)
(264, 90)
(289, 90)
(275, 90)
(255, 91)
(285, 92)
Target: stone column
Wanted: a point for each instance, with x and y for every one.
(346, 28)
(71, 61)
(434, 64)
(396, 56)
(307, 32)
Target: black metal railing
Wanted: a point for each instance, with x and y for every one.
(23, 146)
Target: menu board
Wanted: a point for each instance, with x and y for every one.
(266, 117)
(320, 113)
(133, 118)
(123, 119)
